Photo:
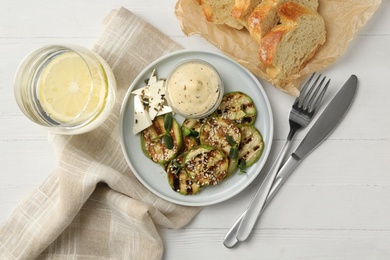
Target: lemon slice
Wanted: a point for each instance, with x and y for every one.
(65, 90)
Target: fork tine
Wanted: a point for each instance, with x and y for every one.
(308, 95)
(303, 90)
(316, 101)
(310, 100)
(307, 84)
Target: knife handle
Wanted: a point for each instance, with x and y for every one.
(255, 208)
(248, 220)
(230, 239)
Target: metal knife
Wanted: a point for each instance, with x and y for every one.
(324, 125)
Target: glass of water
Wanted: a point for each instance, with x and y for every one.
(67, 88)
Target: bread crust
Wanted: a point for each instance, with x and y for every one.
(290, 14)
(242, 9)
(219, 12)
(269, 44)
(265, 16)
(258, 24)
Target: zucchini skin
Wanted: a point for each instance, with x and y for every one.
(233, 164)
(153, 145)
(191, 125)
(188, 143)
(238, 107)
(214, 133)
(178, 178)
(251, 146)
(194, 124)
(206, 165)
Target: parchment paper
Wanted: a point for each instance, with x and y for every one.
(343, 19)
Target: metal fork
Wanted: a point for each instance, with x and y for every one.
(301, 115)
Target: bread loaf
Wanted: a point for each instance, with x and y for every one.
(242, 9)
(289, 32)
(219, 12)
(286, 48)
(264, 17)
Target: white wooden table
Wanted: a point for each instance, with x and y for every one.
(335, 206)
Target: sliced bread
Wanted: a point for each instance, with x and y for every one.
(219, 12)
(290, 45)
(264, 17)
(243, 8)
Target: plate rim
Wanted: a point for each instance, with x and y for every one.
(259, 87)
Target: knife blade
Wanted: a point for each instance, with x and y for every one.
(324, 125)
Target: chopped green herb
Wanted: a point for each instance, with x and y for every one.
(230, 140)
(233, 153)
(168, 120)
(177, 165)
(186, 131)
(194, 133)
(242, 166)
(168, 140)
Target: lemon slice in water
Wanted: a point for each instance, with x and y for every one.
(65, 90)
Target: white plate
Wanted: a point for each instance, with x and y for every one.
(153, 176)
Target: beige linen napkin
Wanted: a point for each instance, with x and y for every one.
(92, 206)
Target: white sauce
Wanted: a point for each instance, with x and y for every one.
(193, 88)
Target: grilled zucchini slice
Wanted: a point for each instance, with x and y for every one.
(206, 165)
(178, 178)
(152, 141)
(192, 125)
(214, 133)
(251, 146)
(188, 143)
(233, 164)
(238, 107)
(215, 130)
